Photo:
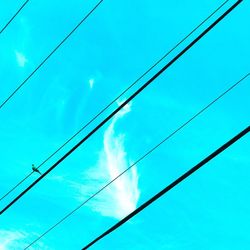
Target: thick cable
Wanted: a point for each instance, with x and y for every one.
(170, 186)
(101, 124)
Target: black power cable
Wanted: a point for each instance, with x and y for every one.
(138, 160)
(113, 101)
(170, 186)
(13, 17)
(190, 45)
(50, 54)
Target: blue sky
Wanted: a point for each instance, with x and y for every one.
(119, 42)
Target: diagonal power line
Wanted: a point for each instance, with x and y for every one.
(170, 186)
(50, 54)
(13, 17)
(113, 101)
(139, 160)
(190, 45)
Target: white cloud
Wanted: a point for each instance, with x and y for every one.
(14, 239)
(8, 239)
(120, 198)
(126, 109)
(21, 59)
(91, 83)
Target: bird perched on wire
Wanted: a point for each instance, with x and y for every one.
(35, 169)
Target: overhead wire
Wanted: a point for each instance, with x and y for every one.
(101, 124)
(13, 17)
(50, 54)
(170, 186)
(140, 159)
(115, 99)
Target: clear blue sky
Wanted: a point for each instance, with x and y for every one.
(121, 40)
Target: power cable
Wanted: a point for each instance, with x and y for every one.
(50, 54)
(138, 160)
(113, 101)
(13, 17)
(170, 186)
(122, 105)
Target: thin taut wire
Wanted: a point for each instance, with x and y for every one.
(141, 158)
(113, 101)
(13, 17)
(50, 54)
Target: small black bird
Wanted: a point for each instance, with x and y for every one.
(35, 169)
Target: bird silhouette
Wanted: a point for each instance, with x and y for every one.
(35, 169)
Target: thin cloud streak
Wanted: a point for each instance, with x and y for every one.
(21, 59)
(120, 198)
(14, 239)
(91, 83)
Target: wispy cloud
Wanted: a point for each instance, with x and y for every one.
(9, 239)
(21, 59)
(91, 83)
(13, 239)
(120, 198)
